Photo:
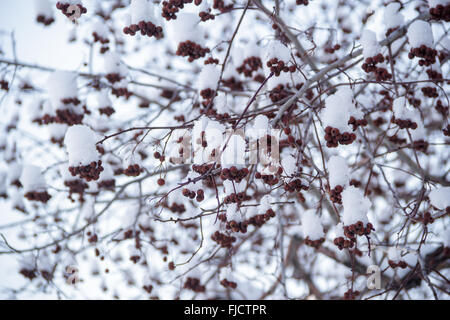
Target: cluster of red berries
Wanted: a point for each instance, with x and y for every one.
(76, 186)
(233, 174)
(202, 168)
(44, 20)
(228, 284)
(236, 198)
(106, 110)
(279, 93)
(207, 94)
(441, 12)
(63, 6)
(303, 2)
(369, 64)
(192, 50)
(257, 221)
(89, 172)
(335, 194)
(211, 60)
(381, 74)
(146, 29)
(177, 208)
(233, 84)
(133, 170)
(41, 196)
(351, 295)
(402, 264)
(107, 184)
(314, 243)
(4, 85)
(295, 186)
(428, 55)
(121, 92)
(331, 50)
(249, 65)
(171, 7)
(396, 139)
(420, 145)
(62, 116)
(277, 66)
(113, 77)
(194, 285)
(357, 229)
(205, 16)
(355, 123)
(343, 243)
(220, 5)
(430, 92)
(199, 195)
(268, 179)
(433, 74)
(333, 137)
(28, 273)
(404, 124)
(223, 240)
(75, 101)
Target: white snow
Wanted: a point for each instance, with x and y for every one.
(275, 49)
(339, 107)
(394, 254)
(370, 44)
(440, 197)
(43, 7)
(420, 33)
(57, 130)
(101, 29)
(339, 174)
(392, 17)
(234, 153)
(208, 77)
(112, 64)
(140, 10)
(32, 179)
(107, 173)
(289, 164)
(103, 99)
(259, 129)
(311, 225)
(435, 3)
(80, 142)
(61, 85)
(185, 27)
(402, 109)
(355, 205)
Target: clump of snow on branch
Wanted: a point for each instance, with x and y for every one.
(338, 171)
(356, 206)
(420, 33)
(440, 197)
(370, 44)
(32, 179)
(80, 142)
(339, 107)
(311, 225)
